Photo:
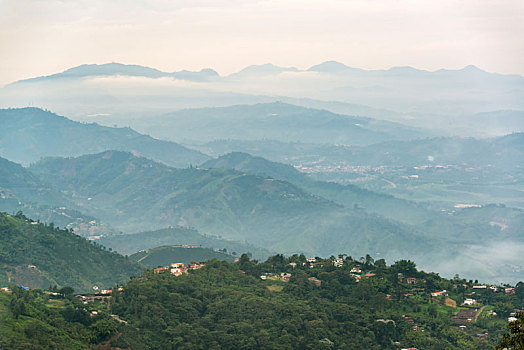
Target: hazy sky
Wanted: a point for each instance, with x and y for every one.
(40, 37)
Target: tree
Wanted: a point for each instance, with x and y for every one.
(519, 290)
(66, 291)
(405, 267)
(515, 339)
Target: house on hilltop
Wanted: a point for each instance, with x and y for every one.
(438, 294)
(160, 270)
(177, 269)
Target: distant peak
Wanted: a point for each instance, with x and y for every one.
(329, 67)
(472, 68)
(266, 68)
(205, 74)
(404, 69)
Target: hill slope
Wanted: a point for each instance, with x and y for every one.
(38, 256)
(21, 190)
(274, 121)
(320, 307)
(28, 134)
(163, 256)
(135, 193)
(131, 243)
(466, 232)
(347, 195)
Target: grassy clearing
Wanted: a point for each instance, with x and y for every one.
(275, 288)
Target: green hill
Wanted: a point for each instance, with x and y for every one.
(134, 194)
(348, 195)
(34, 319)
(467, 233)
(163, 256)
(20, 190)
(134, 242)
(273, 121)
(29, 134)
(320, 307)
(38, 255)
(228, 306)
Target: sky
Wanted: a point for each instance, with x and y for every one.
(41, 37)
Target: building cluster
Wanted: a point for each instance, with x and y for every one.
(338, 262)
(284, 276)
(178, 269)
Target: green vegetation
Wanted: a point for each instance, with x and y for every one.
(132, 243)
(360, 304)
(134, 193)
(163, 256)
(20, 190)
(227, 305)
(34, 320)
(38, 255)
(474, 237)
(515, 338)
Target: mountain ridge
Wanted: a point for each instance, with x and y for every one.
(330, 66)
(28, 134)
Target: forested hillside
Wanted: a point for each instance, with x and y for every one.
(163, 256)
(20, 190)
(33, 319)
(135, 193)
(39, 255)
(350, 196)
(319, 306)
(131, 243)
(282, 303)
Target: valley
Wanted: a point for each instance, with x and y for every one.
(269, 207)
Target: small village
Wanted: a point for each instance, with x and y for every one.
(464, 303)
(462, 314)
(178, 269)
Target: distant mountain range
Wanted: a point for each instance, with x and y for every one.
(328, 67)
(477, 170)
(421, 215)
(118, 69)
(497, 152)
(274, 121)
(29, 134)
(448, 101)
